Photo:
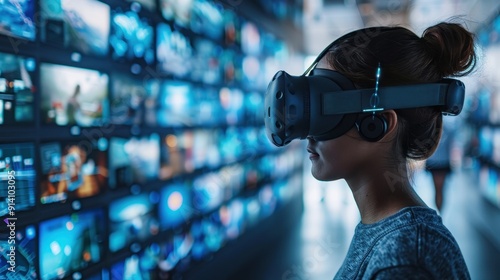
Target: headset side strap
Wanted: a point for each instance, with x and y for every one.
(398, 97)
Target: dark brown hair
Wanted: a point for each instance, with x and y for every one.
(444, 50)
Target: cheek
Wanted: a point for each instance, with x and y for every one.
(334, 163)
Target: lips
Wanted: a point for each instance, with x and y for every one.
(312, 153)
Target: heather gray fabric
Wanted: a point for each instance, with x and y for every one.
(411, 244)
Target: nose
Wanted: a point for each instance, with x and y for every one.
(311, 139)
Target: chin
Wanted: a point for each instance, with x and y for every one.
(325, 177)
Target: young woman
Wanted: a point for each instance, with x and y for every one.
(399, 237)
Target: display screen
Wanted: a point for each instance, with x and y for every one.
(178, 11)
(173, 51)
(253, 73)
(206, 62)
(83, 25)
(207, 18)
(231, 67)
(180, 104)
(132, 218)
(177, 154)
(138, 266)
(230, 145)
(17, 169)
(232, 218)
(71, 243)
(175, 104)
(232, 28)
(268, 200)
(174, 250)
(208, 192)
(250, 39)
(208, 236)
(175, 205)
(486, 142)
(148, 4)
(231, 100)
(17, 19)
(132, 36)
(24, 242)
(73, 170)
(253, 107)
(73, 96)
(205, 149)
(17, 91)
(134, 160)
(127, 100)
(207, 108)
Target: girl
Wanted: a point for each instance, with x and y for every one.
(399, 237)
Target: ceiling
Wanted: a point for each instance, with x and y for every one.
(325, 20)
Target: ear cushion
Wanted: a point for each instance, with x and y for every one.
(372, 127)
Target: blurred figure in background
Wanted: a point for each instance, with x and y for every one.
(439, 164)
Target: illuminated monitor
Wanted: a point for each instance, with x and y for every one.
(253, 107)
(24, 241)
(230, 144)
(82, 25)
(173, 51)
(252, 211)
(208, 192)
(71, 243)
(208, 236)
(175, 104)
(207, 108)
(207, 18)
(127, 100)
(178, 11)
(134, 160)
(232, 28)
(17, 19)
(232, 218)
(143, 265)
(486, 143)
(250, 38)
(253, 73)
(175, 206)
(175, 251)
(17, 91)
(73, 96)
(206, 148)
(17, 169)
(73, 170)
(206, 62)
(268, 200)
(231, 67)
(176, 156)
(132, 219)
(132, 36)
(148, 4)
(232, 105)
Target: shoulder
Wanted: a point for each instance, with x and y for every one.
(421, 243)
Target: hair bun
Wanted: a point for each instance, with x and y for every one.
(452, 47)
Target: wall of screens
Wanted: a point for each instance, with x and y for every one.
(484, 114)
(132, 141)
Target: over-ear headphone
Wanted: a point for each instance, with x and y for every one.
(372, 127)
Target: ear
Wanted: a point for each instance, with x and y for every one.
(392, 124)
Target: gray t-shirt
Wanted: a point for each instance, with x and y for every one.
(411, 244)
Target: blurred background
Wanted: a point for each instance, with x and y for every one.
(132, 143)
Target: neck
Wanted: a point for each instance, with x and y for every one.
(382, 193)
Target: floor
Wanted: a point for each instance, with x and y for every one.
(316, 247)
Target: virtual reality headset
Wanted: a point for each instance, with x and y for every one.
(324, 104)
